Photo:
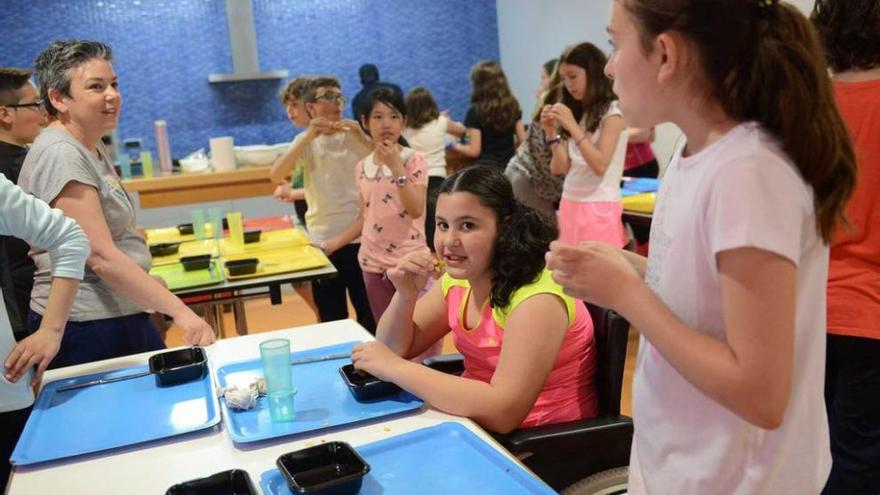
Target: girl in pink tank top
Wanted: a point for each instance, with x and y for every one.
(528, 348)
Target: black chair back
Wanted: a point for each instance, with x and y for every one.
(611, 334)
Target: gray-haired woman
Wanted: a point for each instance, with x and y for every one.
(68, 167)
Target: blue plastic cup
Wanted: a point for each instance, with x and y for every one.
(125, 168)
(275, 358)
(198, 220)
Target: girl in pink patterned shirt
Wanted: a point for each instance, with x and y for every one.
(393, 181)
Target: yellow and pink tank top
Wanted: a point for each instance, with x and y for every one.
(569, 392)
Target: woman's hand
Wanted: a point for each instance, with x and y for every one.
(593, 271)
(563, 116)
(411, 273)
(376, 359)
(195, 330)
(38, 349)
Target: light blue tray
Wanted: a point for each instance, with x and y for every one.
(443, 459)
(641, 184)
(118, 414)
(322, 399)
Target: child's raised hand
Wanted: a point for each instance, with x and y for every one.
(376, 359)
(562, 114)
(411, 273)
(388, 153)
(282, 193)
(320, 125)
(593, 271)
(548, 122)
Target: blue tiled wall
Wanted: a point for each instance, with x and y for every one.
(165, 49)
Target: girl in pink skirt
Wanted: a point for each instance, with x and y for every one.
(589, 149)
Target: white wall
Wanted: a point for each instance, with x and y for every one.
(531, 32)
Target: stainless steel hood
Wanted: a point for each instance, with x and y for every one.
(243, 45)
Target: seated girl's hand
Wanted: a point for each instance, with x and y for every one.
(411, 273)
(376, 359)
(593, 271)
(388, 153)
(37, 350)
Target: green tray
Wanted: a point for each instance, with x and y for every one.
(177, 278)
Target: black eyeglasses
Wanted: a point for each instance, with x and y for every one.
(332, 98)
(35, 104)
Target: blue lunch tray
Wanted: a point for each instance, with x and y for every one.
(641, 184)
(322, 399)
(443, 459)
(118, 414)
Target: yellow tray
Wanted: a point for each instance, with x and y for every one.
(280, 261)
(641, 203)
(269, 241)
(190, 248)
(171, 234)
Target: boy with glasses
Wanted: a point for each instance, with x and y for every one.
(329, 151)
(21, 117)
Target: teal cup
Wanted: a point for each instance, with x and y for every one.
(197, 215)
(215, 217)
(275, 358)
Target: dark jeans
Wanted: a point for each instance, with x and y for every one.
(300, 207)
(87, 341)
(330, 292)
(648, 169)
(852, 397)
(11, 425)
(434, 184)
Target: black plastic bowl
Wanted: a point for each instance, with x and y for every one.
(242, 267)
(182, 365)
(165, 249)
(198, 262)
(333, 468)
(185, 229)
(232, 482)
(252, 236)
(364, 386)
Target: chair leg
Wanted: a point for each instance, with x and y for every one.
(240, 316)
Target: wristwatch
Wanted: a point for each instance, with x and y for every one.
(401, 181)
(557, 138)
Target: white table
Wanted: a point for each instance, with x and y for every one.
(154, 467)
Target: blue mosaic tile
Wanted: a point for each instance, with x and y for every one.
(165, 49)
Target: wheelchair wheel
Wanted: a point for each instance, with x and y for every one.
(609, 482)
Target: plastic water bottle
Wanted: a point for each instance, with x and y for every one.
(163, 147)
(18, 395)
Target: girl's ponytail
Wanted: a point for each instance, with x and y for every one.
(786, 87)
(762, 61)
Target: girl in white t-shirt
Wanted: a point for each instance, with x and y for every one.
(728, 391)
(590, 150)
(426, 132)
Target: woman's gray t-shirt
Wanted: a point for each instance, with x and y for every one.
(55, 159)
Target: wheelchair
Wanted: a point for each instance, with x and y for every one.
(588, 456)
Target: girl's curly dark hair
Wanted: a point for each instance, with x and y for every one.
(850, 32)
(523, 234)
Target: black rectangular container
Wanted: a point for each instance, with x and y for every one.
(232, 482)
(197, 262)
(364, 386)
(332, 468)
(165, 249)
(242, 267)
(252, 236)
(181, 365)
